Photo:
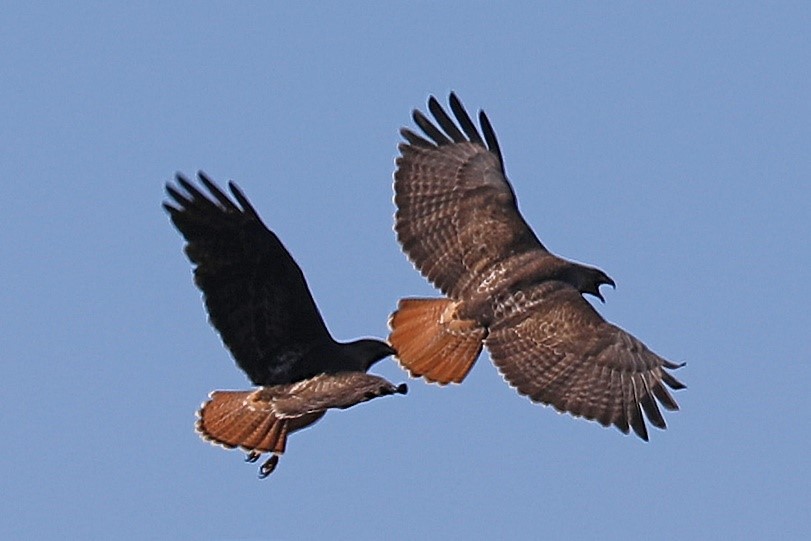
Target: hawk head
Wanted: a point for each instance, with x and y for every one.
(367, 352)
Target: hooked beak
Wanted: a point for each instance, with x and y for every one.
(609, 282)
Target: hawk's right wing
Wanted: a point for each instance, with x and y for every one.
(457, 218)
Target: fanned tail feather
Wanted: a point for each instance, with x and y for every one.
(235, 419)
(432, 342)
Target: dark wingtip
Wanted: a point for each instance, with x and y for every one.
(454, 100)
(674, 366)
(639, 428)
(402, 389)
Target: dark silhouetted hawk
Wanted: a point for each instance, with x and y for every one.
(458, 222)
(258, 300)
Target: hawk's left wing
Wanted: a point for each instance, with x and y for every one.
(259, 421)
(326, 391)
(552, 346)
(255, 293)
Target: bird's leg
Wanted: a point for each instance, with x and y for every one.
(253, 456)
(268, 467)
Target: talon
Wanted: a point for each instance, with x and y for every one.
(252, 456)
(268, 467)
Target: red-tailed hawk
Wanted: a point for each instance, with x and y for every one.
(259, 302)
(458, 223)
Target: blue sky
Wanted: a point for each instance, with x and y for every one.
(667, 145)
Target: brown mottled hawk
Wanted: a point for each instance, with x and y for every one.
(458, 222)
(258, 300)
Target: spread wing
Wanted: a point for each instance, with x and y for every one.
(254, 291)
(342, 390)
(551, 345)
(457, 218)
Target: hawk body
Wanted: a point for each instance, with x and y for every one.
(258, 300)
(458, 222)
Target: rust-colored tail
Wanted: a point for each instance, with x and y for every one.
(238, 419)
(432, 342)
